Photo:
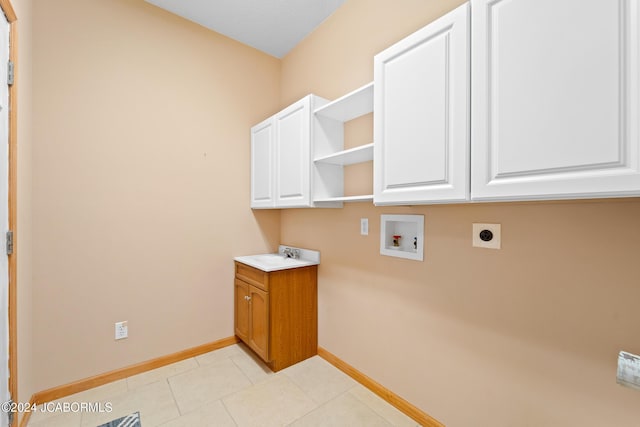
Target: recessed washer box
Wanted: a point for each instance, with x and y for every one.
(402, 236)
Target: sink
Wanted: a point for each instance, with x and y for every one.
(270, 262)
(274, 262)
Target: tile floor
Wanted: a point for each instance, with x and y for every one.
(232, 387)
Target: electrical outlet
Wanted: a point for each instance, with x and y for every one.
(364, 226)
(486, 236)
(122, 330)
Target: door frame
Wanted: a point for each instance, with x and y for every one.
(7, 9)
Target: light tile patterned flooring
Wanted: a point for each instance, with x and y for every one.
(232, 387)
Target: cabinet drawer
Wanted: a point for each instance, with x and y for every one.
(252, 276)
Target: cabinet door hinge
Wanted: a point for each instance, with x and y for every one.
(10, 73)
(10, 414)
(9, 242)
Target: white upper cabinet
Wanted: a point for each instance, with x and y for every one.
(496, 100)
(421, 115)
(555, 94)
(292, 154)
(281, 157)
(262, 165)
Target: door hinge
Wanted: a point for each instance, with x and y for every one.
(10, 73)
(9, 242)
(10, 414)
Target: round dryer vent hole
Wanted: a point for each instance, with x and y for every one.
(486, 236)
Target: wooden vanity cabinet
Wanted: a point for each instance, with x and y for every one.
(276, 313)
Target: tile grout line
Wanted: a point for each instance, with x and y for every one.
(348, 391)
(175, 401)
(242, 353)
(198, 362)
(221, 398)
(228, 412)
(241, 370)
(371, 407)
(165, 380)
(318, 405)
(82, 415)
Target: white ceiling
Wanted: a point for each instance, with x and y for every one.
(272, 26)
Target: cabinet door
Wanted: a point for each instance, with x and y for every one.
(241, 317)
(555, 93)
(421, 115)
(293, 135)
(262, 165)
(259, 315)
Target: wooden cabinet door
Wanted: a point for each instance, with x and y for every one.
(555, 99)
(262, 165)
(259, 318)
(421, 115)
(241, 318)
(292, 151)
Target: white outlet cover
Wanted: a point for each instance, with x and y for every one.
(122, 330)
(364, 226)
(494, 243)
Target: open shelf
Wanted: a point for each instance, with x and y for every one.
(348, 107)
(361, 154)
(330, 157)
(364, 198)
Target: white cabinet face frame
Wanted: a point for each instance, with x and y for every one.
(262, 165)
(421, 119)
(555, 94)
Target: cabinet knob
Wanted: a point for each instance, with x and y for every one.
(248, 298)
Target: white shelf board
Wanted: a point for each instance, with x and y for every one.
(361, 154)
(364, 198)
(348, 107)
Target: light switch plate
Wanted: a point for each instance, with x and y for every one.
(364, 226)
(487, 236)
(628, 370)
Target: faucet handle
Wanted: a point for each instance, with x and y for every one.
(291, 253)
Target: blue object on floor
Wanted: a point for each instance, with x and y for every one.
(132, 420)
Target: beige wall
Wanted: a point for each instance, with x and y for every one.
(23, 9)
(524, 336)
(140, 182)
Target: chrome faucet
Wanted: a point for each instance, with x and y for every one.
(291, 253)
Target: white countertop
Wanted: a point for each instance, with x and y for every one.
(277, 261)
